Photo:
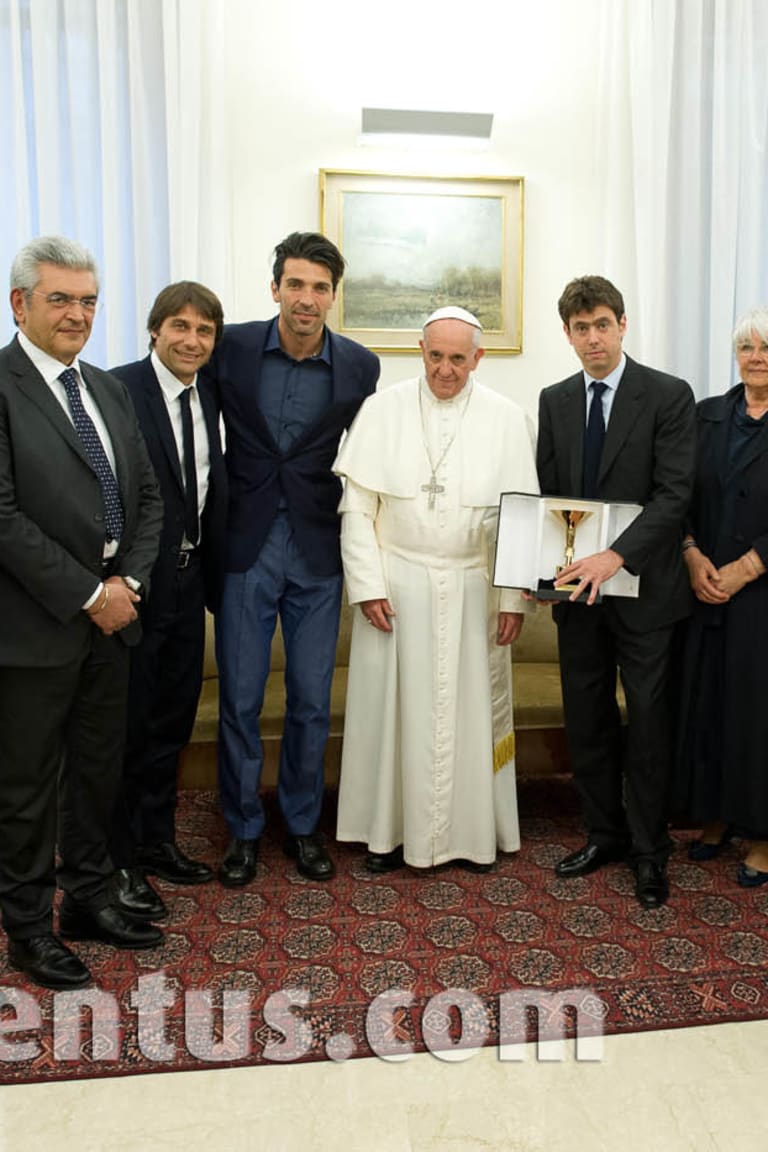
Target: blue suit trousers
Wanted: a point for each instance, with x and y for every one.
(279, 583)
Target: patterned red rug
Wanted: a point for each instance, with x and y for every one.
(217, 992)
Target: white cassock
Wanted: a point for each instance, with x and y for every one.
(428, 753)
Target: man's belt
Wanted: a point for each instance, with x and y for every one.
(186, 556)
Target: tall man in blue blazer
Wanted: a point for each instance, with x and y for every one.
(80, 516)
(179, 419)
(620, 432)
(288, 388)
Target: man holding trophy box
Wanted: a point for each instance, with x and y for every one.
(616, 432)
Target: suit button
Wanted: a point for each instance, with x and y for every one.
(99, 517)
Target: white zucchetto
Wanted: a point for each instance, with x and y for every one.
(451, 312)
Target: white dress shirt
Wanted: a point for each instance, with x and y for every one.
(172, 389)
(611, 381)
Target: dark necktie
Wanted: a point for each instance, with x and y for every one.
(593, 440)
(191, 522)
(97, 457)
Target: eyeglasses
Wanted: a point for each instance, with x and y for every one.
(60, 300)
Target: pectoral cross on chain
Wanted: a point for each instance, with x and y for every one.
(433, 488)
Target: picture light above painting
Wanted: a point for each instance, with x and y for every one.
(415, 243)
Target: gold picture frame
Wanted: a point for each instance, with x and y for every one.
(415, 243)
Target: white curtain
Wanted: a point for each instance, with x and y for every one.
(110, 131)
(682, 144)
(122, 124)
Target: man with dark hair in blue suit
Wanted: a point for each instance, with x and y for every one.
(179, 419)
(288, 388)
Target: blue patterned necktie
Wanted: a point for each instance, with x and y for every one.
(97, 457)
(191, 517)
(593, 440)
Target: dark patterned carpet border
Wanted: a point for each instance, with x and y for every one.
(289, 970)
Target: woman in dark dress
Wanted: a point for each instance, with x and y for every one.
(724, 755)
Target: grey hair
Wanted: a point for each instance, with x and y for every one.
(476, 334)
(25, 270)
(756, 320)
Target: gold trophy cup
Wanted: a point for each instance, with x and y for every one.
(571, 518)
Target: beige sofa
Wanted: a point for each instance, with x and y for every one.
(538, 706)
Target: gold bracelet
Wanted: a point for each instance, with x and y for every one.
(102, 606)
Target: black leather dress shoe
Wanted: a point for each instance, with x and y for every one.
(472, 866)
(381, 862)
(135, 897)
(587, 859)
(78, 922)
(651, 886)
(46, 961)
(239, 864)
(310, 855)
(169, 863)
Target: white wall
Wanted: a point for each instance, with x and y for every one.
(299, 73)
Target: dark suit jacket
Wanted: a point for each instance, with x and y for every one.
(155, 424)
(648, 458)
(726, 533)
(724, 666)
(259, 472)
(52, 517)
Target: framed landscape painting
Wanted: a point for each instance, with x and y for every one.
(415, 243)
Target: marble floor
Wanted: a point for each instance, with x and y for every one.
(699, 1088)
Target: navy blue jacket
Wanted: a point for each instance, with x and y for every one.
(259, 473)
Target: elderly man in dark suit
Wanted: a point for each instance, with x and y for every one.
(620, 432)
(179, 419)
(80, 516)
(288, 388)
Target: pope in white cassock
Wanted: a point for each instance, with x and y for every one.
(428, 771)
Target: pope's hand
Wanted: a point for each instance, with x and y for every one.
(509, 628)
(378, 612)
